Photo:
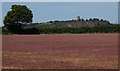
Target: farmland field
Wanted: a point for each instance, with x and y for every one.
(60, 51)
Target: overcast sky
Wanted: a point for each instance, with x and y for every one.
(47, 11)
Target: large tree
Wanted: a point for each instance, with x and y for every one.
(18, 16)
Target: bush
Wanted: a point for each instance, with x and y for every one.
(60, 30)
(5, 31)
(95, 29)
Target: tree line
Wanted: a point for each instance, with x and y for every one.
(61, 30)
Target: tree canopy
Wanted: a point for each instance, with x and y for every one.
(19, 15)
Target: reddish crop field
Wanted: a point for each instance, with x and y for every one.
(60, 51)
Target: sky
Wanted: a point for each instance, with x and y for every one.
(49, 11)
(60, 0)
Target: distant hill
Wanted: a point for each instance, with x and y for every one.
(71, 23)
(69, 26)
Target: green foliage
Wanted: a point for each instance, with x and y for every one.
(19, 15)
(5, 31)
(90, 19)
(30, 31)
(95, 19)
(61, 30)
(95, 29)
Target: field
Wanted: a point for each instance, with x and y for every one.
(60, 51)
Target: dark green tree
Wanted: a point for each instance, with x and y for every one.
(95, 19)
(18, 16)
(101, 20)
(87, 20)
(90, 19)
(83, 20)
